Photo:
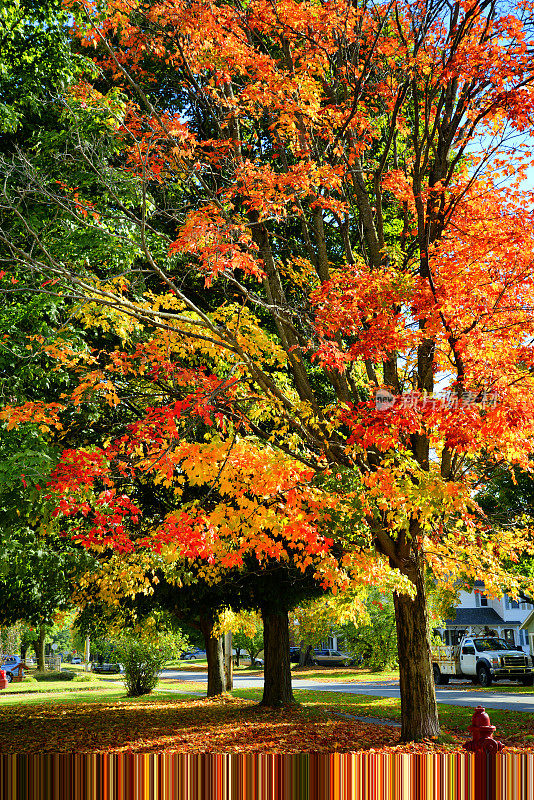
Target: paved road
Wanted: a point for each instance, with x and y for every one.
(454, 695)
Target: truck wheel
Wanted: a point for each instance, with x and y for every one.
(439, 679)
(528, 680)
(9, 677)
(484, 675)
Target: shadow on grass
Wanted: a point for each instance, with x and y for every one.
(177, 723)
(514, 728)
(181, 724)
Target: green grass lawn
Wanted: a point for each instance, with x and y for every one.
(341, 674)
(182, 686)
(496, 688)
(82, 682)
(86, 683)
(60, 692)
(187, 662)
(344, 674)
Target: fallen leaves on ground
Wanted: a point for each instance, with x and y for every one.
(201, 725)
(207, 725)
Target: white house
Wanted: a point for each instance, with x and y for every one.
(500, 615)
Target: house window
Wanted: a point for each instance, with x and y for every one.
(514, 604)
(483, 599)
(509, 636)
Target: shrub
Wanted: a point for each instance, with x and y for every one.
(58, 675)
(142, 660)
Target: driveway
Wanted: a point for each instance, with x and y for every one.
(452, 695)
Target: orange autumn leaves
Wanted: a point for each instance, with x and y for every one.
(315, 117)
(184, 725)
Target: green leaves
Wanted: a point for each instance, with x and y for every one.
(37, 575)
(35, 57)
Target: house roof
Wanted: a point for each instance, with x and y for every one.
(477, 616)
(528, 620)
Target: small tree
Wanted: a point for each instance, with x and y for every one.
(315, 620)
(248, 634)
(375, 638)
(144, 656)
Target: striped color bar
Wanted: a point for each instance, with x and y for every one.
(346, 776)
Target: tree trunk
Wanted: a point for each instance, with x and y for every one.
(305, 655)
(39, 647)
(277, 690)
(214, 653)
(228, 671)
(419, 714)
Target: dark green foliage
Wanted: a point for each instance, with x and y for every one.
(37, 574)
(35, 59)
(143, 660)
(507, 500)
(508, 497)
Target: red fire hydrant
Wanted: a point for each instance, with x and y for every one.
(482, 731)
(3, 679)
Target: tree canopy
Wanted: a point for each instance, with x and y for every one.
(316, 210)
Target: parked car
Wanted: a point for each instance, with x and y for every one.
(331, 658)
(9, 664)
(76, 660)
(109, 669)
(191, 654)
(294, 655)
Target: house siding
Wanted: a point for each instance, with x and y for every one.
(499, 614)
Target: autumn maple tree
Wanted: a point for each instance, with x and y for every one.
(317, 209)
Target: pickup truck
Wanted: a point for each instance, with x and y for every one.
(484, 659)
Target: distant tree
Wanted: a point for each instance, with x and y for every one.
(38, 575)
(374, 639)
(315, 620)
(507, 501)
(247, 635)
